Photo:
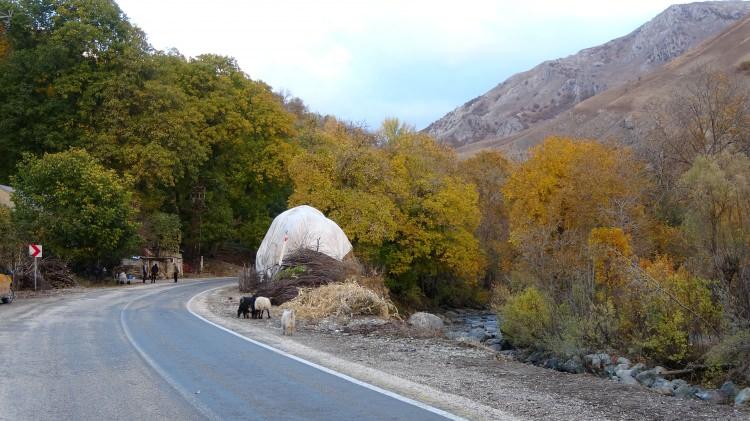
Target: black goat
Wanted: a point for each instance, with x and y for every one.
(247, 306)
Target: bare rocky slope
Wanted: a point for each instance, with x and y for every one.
(622, 114)
(534, 97)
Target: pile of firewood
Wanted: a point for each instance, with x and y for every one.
(305, 268)
(51, 274)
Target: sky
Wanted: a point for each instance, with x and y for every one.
(367, 60)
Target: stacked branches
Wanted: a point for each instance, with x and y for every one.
(51, 274)
(303, 268)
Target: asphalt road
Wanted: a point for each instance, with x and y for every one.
(139, 354)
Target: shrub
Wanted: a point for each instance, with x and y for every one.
(527, 317)
(677, 318)
(734, 352)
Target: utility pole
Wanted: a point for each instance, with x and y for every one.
(198, 198)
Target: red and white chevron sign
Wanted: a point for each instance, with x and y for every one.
(35, 250)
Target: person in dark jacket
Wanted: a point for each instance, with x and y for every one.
(145, 272)
(175, 274)
(154, 272)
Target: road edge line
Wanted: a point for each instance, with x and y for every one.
(340, 375)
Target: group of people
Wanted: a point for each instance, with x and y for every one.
(155, 273)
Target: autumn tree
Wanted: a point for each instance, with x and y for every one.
(489, 171)
(564, 190)
(398, 197)
(717, 222)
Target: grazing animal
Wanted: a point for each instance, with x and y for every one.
(261, 304)
(288, 322)
(247, 306)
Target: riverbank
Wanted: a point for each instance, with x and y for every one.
(467, 380)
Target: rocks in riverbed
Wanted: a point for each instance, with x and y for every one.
(663, 386)
(743, 397)
(729, 390)
(597, 363)
(648, 377)
(573, 366)
(426, 323)
(626, 377)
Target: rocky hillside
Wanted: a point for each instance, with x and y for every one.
(527, 99)
(622, 113)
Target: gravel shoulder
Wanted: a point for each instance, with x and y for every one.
(472, 382)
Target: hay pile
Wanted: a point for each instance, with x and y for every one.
(303, 268)
(348, 299)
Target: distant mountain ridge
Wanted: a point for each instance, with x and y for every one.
(531, 98)
(622, 114)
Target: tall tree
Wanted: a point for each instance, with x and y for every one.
(78, 209)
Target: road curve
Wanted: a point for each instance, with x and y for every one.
(138, 353)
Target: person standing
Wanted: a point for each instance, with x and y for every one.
(176, 273)
(154, 272)
(145, 272)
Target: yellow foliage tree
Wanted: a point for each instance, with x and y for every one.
(489, 171)
(564, 190)
(400, 200)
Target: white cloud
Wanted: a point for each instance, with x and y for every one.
(334, 53)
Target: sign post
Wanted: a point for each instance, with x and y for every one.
(35, 251)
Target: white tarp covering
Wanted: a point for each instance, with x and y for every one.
(300, 227)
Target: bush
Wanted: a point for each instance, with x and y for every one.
(733, 352)
(527, 317)
(348, 299)
(678, 319)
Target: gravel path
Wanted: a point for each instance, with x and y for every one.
(473, 382)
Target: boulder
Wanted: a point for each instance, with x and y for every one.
(552, 363)
(596, 362)
(648, 377)
(573, 366)
(743, 397)
(729, 390)
(623, 360)
(711, 395)
(478, 334)
(663, 386)
(685, 391)
(637, 369)
(494, 341)
(426, 323)
(626, 378)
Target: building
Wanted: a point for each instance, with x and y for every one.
(5, 196)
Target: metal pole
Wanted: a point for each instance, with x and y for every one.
(35, 274)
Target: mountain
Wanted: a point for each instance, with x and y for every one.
(622, 113)
(528, 99)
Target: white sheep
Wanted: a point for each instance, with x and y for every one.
(287, 322)
(262, 303)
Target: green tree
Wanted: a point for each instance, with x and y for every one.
(76, 208)
(163, 232)
(59, 51)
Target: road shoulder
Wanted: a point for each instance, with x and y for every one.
(471, 382)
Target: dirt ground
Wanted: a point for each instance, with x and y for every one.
(473, 382)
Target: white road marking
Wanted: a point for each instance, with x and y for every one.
(372, 387)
